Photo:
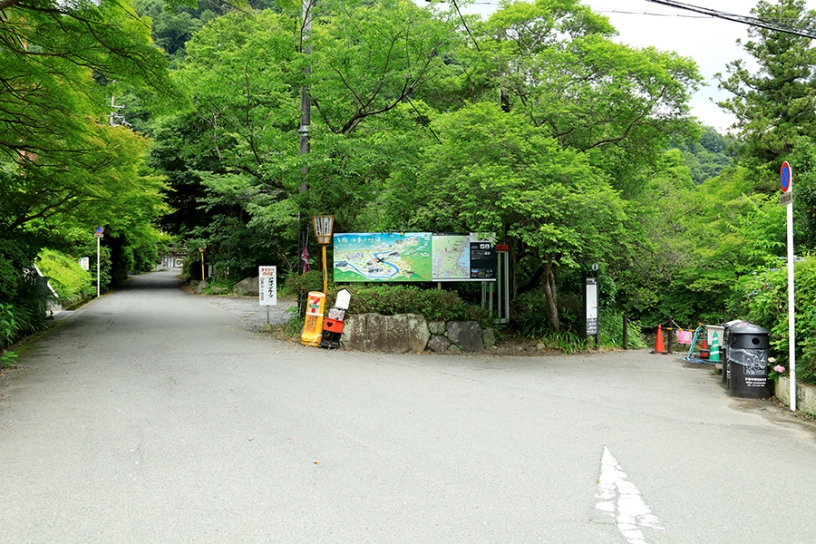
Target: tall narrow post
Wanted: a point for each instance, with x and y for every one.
(305, 112)
(325, 271)
(98, 276)
(791, 311)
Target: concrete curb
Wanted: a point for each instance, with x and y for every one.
(805, 395)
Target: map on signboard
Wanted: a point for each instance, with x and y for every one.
(451, 257)
(382, 257)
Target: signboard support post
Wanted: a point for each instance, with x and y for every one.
(98, 276)
(98, 233)
(325, 269)
(786, 183)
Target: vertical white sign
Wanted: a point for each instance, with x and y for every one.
(591, 306)
(268, 285)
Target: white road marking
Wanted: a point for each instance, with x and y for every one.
(620, 499)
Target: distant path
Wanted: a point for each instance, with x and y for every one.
(152, 415)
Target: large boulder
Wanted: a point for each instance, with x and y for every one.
(466, 334)
(200, 287)
(389, 333)
(247, 286)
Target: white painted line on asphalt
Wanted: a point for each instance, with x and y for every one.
(620, 499)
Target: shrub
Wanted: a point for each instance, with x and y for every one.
(762, 299)
(68, 279)
(392, 299)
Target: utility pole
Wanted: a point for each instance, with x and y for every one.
(305, 115)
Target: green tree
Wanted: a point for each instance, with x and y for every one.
(555, 62)
(776, 104)
(494, 172)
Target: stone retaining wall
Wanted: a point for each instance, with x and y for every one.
(410, 332)
(805, 395)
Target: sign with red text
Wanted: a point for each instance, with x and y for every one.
(268, 285)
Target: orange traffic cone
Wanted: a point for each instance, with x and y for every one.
(659, 347)
(704, 350)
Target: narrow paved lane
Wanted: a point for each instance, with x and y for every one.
(154, 416)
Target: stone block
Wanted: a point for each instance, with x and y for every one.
(438, 344)
(466, 334)
(247, 286)
(489, 338)
(388, 333)
(201, 286)
(437, 328)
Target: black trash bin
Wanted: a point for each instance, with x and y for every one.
(724, 350)
(748, 351)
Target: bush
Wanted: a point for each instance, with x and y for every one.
(68, 279)
(392, 299)
(761, 299)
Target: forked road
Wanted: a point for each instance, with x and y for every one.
(154, 416)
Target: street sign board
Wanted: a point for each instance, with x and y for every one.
(268, 285)
(786, 198)
(591, 306)
(785, 177)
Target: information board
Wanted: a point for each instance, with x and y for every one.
(419, 256)
(268, 285)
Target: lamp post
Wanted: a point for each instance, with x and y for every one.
(201, 250)
(323, 226)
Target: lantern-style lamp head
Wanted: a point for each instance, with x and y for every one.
(323, 226)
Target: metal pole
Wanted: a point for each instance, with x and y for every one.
(669, 329)
(791, 312)
(98, 249)
(325, 270)
(202, 266)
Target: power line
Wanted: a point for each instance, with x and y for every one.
(743, 19)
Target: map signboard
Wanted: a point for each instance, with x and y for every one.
(451, 257)
(389, 257)
(463, 257)
(382, 257)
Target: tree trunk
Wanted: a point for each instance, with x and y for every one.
(548, 281)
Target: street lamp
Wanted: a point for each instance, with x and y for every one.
(201, 250)
(323, 226)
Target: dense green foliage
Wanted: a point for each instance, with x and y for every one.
(709, 156)
(762, 299)
(64, 167)
(385, 299)
(68, 279)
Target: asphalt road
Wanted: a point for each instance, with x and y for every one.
(152, 415)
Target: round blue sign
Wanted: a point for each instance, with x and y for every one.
(785, 177)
